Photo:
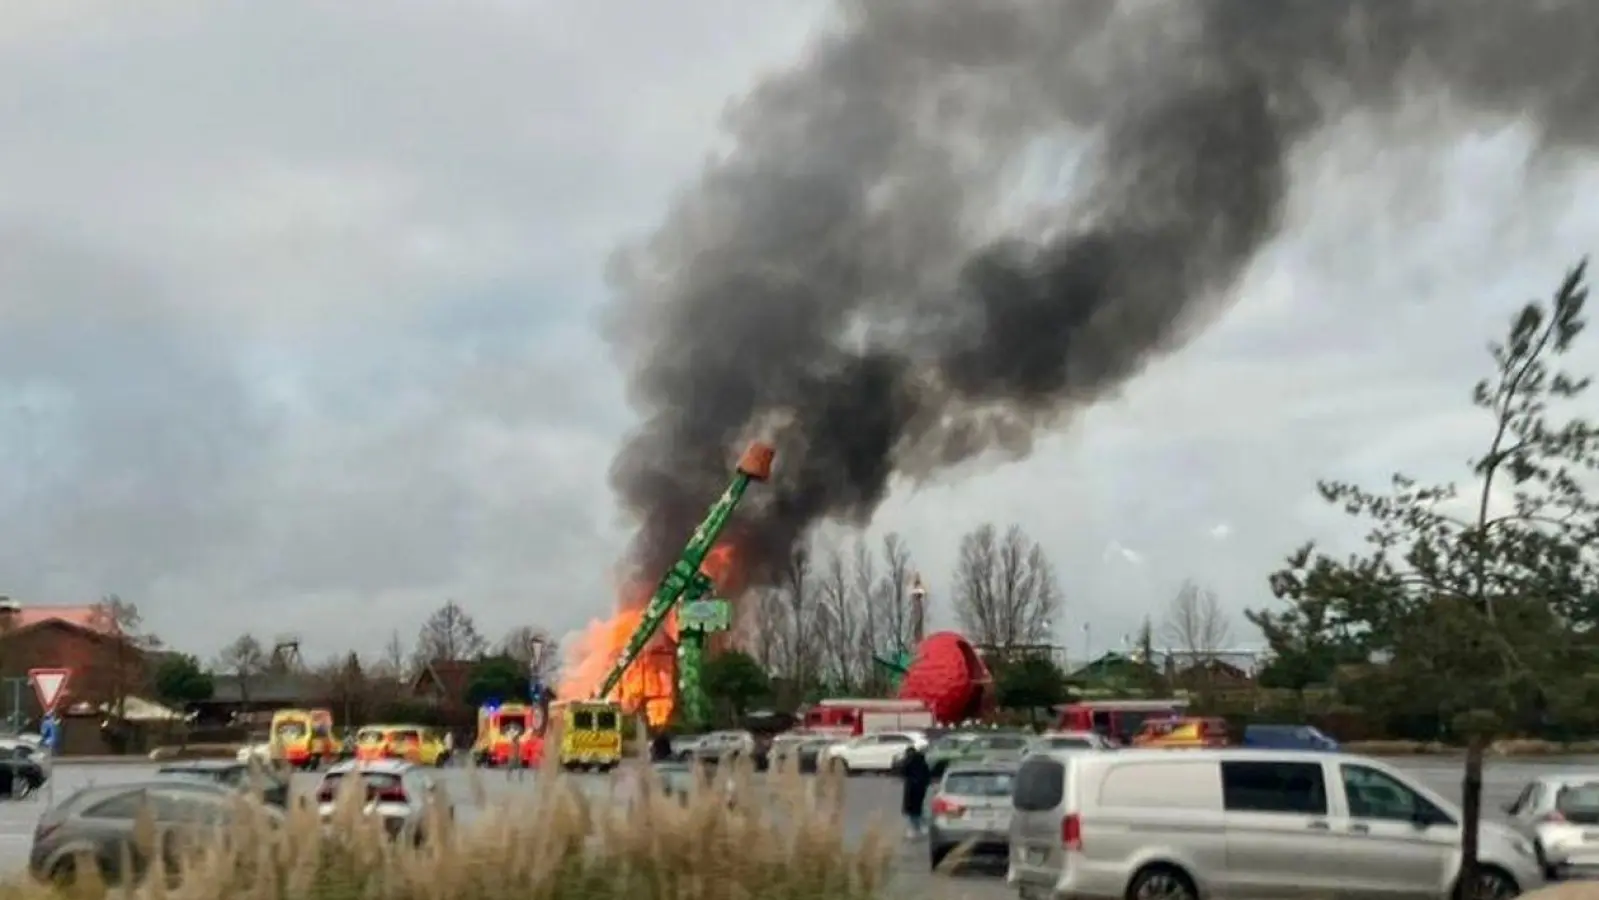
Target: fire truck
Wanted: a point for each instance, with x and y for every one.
(846, 717)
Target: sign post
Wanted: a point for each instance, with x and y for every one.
(48, 686)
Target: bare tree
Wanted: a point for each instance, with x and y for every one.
(527, 644)
(1006, 593)
(125, 673)
(246, 660)
(800, 626)
(345, 684)
(896, 613)
(839, 625)
(869, 642)
(448, 634)
(763, 632)
(1196, 626)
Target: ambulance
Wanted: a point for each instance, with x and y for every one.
(591, 734)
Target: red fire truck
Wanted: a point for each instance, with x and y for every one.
(847, 717)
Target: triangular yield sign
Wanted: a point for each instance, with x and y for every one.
(48, 685)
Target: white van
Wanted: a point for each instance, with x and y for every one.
(1242, 823)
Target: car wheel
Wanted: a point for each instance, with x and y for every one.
(1162, 883)
(936, 854)
(1494, 884)
(840, 766)
(64, 873)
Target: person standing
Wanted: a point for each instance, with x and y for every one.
(918, 776)
(514, 764)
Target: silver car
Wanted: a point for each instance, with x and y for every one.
(97, 824)
(1244, 823)
(1069, 740)
(1559, 813)
(971, 810)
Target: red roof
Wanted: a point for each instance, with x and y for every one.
(82, 616)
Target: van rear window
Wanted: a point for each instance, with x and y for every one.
(1040, 785)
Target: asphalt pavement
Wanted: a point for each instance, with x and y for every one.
(868, 800)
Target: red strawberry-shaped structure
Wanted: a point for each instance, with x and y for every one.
(949, 676)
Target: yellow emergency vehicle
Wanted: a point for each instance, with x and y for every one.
(591, 734)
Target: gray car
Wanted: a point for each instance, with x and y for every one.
(97, 823)
(1559, 814)
(972, 810)
(244, 777)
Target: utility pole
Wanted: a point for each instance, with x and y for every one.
(14, 717)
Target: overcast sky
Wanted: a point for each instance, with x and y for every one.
(299, 301)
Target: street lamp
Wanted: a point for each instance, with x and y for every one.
(535, 657)
(918, 607)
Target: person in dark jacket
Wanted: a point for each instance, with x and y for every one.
(661, 747)
(918, 777)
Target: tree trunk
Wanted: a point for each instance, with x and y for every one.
(1471, 814)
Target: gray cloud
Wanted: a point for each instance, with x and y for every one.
(824, 282)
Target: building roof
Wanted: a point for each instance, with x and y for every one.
(265, 688)
(82, 616)
(450, 675)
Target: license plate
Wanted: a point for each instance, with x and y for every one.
(1034, 856)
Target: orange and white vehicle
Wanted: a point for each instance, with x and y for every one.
(302, 738)
(1180, 734)
(847, 718)
(412, 743)
(501, 725)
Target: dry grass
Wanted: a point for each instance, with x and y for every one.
(781, 840)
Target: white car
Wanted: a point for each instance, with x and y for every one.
(395, 791)
(1559, 813)
(878, 752)
(712, 747)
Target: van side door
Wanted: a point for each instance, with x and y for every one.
(1280, 843)
(1396, 842)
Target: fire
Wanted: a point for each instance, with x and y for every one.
(651, 682)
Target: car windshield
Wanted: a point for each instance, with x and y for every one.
(291, 730)
(1579, 803)
(979, 784)
(951, 742)
(369, 736)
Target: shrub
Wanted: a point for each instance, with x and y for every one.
(780, 839)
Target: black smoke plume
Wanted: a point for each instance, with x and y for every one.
(837, 278)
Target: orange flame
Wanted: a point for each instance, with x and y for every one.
(650, 683)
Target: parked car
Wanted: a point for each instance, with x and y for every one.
(1241, 822)
(1068, 741)
(98, 823)
(1559, 814)
(677, 780)
(718, 744)
(971, 809)
(803, 753)
(24, 747)
(878, 752)
(684, 746)
(397, 792)
(1287, 737)
(246, 777)
(971, 746)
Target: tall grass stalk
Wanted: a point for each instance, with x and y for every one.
(731, 837)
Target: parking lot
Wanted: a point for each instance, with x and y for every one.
(868, 800)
